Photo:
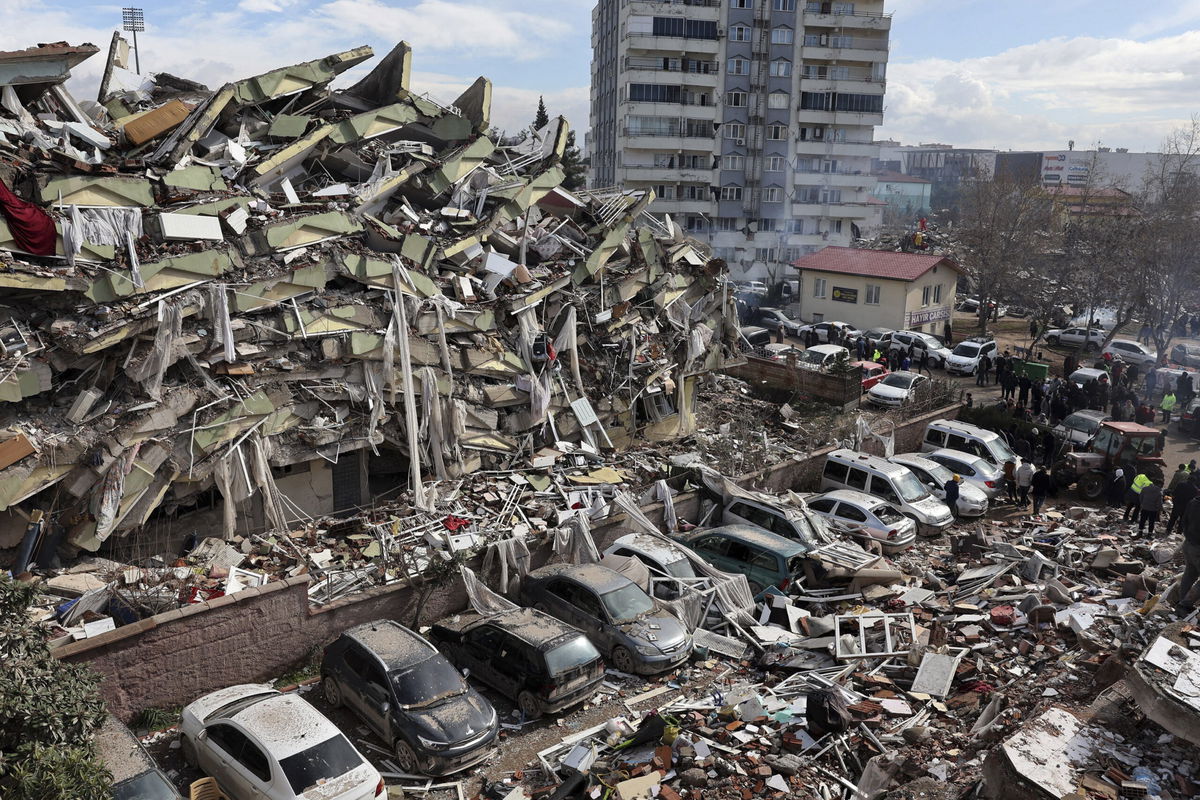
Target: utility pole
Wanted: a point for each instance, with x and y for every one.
(133, 21)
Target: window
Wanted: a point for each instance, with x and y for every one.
(836, 226)
(726, 224)
(768, 226)
(777, 100)
(731, 193)
(807, 194)
(665, 191)
(831, 195)
(872, 295)
(937, 293)
(735, 99)
(925, 292)
(693, 192)
(241, 749)
(843, 8)
(781, 68)
(836, 471)
(733, 162)
(813, 134)
(819, 287)
(777, 132)
(852, 513)
(775, 164)
(785, 5)
(735, 130)
(739, 33)
(687, 28)
(739, 66)
(838, 101)
(818, 317)
(782, 36)
(857, 479)
(696, 224)
(654, 93)
(664, 160)
(764, 254)
(741, 3)
(772, 194)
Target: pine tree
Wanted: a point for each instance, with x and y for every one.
(541, 119)
(573, 165)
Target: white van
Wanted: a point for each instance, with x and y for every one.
(953, 435)
(847, 469)
(822, 356)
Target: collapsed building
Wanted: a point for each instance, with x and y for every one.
(223, 311)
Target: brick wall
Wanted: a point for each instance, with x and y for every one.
(172, 658)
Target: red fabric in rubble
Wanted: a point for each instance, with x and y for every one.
(32, 229)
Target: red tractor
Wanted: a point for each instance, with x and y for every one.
(1136, 448)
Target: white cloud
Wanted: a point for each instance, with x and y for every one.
(1119, 91)
(1170, 15)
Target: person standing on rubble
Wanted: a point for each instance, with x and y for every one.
(1181, 475)
(1010, 480)
(1182, 494)
(1115, 492)
(1133, 498)
(952, 493)
(1040, 483)
(1191, 558)
(1049, 446)
(1024, 483)
(1151, 503)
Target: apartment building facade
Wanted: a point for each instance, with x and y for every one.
(752, 120)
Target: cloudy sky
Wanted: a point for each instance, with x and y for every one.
(1019, 74)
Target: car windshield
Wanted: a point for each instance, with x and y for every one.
(813, 357)
(680, 569)
(967, 349)
(1000, 451)
(427, 682)
(627, 603)
(888, 515)
(909, 488)
(899, 381)
(570, 655)
(331, 758)
(147, 786)
(1082, 422)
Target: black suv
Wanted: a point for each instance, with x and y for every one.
(409, 694)
(541, 663)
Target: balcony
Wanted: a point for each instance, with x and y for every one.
(840, 179)
(854, 84)
(675, 45)
(683, 206)
(642, 69)
(657, 175)
(839, 118)
(642, 140)
(868, 51)
(856, 21)
(825, 147)
(642, 108)
(693, 9)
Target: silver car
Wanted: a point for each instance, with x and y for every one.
(972, 502)
(669, 566)
(866, 517)
(975, 470)
(622, 621)
(1078, 429)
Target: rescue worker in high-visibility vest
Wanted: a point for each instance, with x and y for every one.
(1133, 498)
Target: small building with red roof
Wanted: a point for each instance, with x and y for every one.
(878, 288)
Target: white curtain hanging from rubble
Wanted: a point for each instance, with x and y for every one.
(149, 371)
(483, 600)
(260, 451)
(511, 553)
(110, 225)
(218, 312)
(223, 477)
(107, 502)
(863, 431)
(699, 340)
(72, 233)
(431, 401)
(573, 540)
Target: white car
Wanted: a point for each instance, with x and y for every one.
(1091, 339)
(1132, 352)
(822, 356)
(1081, 376)
(263, 745)
(780, 352)
(973, 469)
(897, 389)
(916, 341)
(826, 329)
(866, 517)
(965, 357)
(972, 502)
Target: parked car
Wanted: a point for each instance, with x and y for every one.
(755, 336)
(1081, 376)
(827, 331)
(822, 356)
(974, 469)
(411, 696)
(1092, 339)
(970, 305)
(898, 389)
(753, 287)
(872, 373)
(1077, 429)
(965, 357)
(633, 629)
(667, 562)
(972, 502)
(954, 435)
(867, 518)
(1105, 318)
(848, 469)
(765, 558)
(263, 745)
(135, 775)
(780, 352)
(918, 341)
(1131, 352)
(877, 338)
(542, 664)
(1185, 354)
(777, 319)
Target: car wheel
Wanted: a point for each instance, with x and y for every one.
(540, 606)
(622, 660)
(332, 691)
(1090, 347)
(188, 748)
(1090, 486)
(755, 588)
(1053, 340)
(530, 706)
(406, 758)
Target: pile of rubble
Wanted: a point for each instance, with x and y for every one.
(209, 289)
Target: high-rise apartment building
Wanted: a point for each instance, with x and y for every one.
(752, 120)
